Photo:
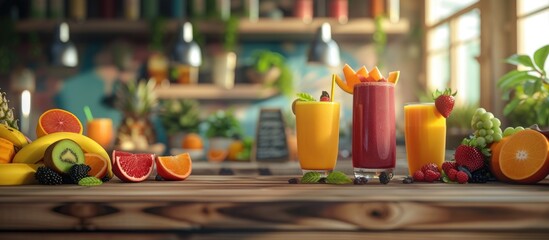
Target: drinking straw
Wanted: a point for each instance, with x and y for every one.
(333, 84)
(88, 113)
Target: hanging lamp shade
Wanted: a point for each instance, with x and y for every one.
(324, 49)
(63, 51)
(186, 51)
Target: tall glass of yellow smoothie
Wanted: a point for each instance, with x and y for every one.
(425, 135)
(317, 130)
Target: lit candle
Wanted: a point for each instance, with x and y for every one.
(25, 110)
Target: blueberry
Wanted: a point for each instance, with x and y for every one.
(322, 180)
(384, 178)
(158, 178)
(408, 180)
(292, 181)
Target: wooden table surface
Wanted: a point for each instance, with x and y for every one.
(267, 207)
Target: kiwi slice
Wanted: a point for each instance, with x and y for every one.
(62, 155)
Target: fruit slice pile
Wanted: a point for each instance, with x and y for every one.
(362, 75)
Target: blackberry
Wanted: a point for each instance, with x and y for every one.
(384, 178)
(408, 180)
(47, 176)
(79, 171)
(479, 176)
(106, 178)
(67, 179)
(322, 180)
(292, 181)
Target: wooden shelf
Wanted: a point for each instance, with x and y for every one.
(211, 92)
(271, 28)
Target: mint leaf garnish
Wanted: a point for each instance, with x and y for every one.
(305, 97)
(310, 177)
(338, 177)
(90, 181)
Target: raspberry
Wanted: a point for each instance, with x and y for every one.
(462, 177)
(419, 176)
(324, 99)
(452, 174)
(429, 166)
(431, 175)
(446, 166)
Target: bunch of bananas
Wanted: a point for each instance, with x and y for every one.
(29, 155)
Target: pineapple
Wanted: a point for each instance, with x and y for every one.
(136, 101)
(6, 113)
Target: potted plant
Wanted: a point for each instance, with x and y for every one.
(270, 68)
(178, 117)
(222, 128)
(136, 101)
(527, 90)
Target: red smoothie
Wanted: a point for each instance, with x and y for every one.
(374, 143)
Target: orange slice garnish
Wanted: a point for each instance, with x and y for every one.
(393, 77)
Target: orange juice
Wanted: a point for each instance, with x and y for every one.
(317, 130)
(425, 134)
(101, 131)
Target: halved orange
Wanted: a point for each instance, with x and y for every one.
(174, 168)
(57, 120)
(217, 155)
(521, 158)
(343, 86)
(97, 163)
(393, 77)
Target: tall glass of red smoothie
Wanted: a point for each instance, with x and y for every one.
(374, 143)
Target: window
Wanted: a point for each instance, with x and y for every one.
(533, 17)
(453, 45)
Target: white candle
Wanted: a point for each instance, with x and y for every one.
(25, 110)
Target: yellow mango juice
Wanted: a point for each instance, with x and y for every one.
(425, 135)
(317, 130)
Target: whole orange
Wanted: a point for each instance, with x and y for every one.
(192, 141)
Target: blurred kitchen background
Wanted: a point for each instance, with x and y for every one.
(212, 65)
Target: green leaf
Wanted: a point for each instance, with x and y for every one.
(514, 78)
(540, 56)
(338, 177)
(306, 97)
(90, 181)
(311, 177)
(524, 60)
(511, 106)
(529, 87)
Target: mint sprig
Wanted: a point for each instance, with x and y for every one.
(337, 177)
(305, 97)
(311, 177)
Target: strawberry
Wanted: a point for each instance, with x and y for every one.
(325, 97)
(462, 177)
(431, 176)
(429, 166)
(452, 174)
(444, 101)
(446, 166)
(469, 157)
(419, 176)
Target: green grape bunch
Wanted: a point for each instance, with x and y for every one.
(486, 128)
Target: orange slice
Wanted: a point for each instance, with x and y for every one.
(343, 86)
(521, 158)
(393, 77)
(350, 76)
(376, 74)
(217, 155)
(175, 168)
(363, 71)
(97, 164)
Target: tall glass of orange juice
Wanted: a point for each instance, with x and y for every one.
(317, 130)
(101, 131)
(425, 135)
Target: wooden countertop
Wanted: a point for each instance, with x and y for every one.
(236, 207)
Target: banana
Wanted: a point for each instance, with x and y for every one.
(17, 174)
(13, 135)
(34, 152)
